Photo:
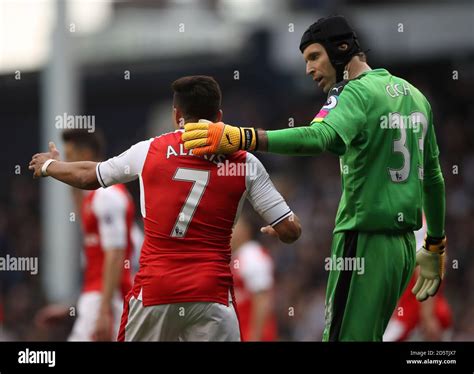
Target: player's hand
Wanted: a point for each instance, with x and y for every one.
(103, 327)
(269, 230)
(431, 258)
(206, 138)
(39, 159)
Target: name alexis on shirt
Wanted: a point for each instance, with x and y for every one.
(171, 151)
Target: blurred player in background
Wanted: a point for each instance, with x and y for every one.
(430, 320)
(1, 318)
(184, 288)
(107, 217)
(252, 268)
(381, 126)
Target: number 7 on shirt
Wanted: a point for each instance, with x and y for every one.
(200, 179)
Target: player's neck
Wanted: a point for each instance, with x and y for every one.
(356, 67)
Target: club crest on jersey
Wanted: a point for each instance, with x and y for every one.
(330, 104)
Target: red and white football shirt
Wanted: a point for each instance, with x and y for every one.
(107, 220)
(253, 272)
(189, 205)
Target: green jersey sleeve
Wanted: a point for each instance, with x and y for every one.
(430, 155)
(434, 200)
(304, 141)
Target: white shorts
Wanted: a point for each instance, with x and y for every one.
(88, 306)
(194, 321)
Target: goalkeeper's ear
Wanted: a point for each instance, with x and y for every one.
(288, 230)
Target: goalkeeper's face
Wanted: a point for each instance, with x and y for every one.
(319, 67)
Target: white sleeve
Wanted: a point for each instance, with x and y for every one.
(263, 195)
(256, 268)
(110, 208)
(125, 167)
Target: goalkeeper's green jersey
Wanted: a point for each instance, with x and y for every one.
(386, 126)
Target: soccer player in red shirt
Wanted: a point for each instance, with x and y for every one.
(107, 217)
(183, 290)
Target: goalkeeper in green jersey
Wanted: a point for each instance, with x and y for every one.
(382, 128)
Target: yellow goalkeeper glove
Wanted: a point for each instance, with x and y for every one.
(206, 138)
(432, 259)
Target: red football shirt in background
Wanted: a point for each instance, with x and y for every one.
(253, 272)
(107, 220)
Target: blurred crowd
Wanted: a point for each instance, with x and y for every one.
(311, 186)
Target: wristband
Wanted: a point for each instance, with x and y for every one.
(44, 168)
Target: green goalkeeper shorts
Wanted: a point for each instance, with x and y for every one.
(368, 273)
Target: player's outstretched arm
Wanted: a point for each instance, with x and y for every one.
(77, 174)
(206, 138)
